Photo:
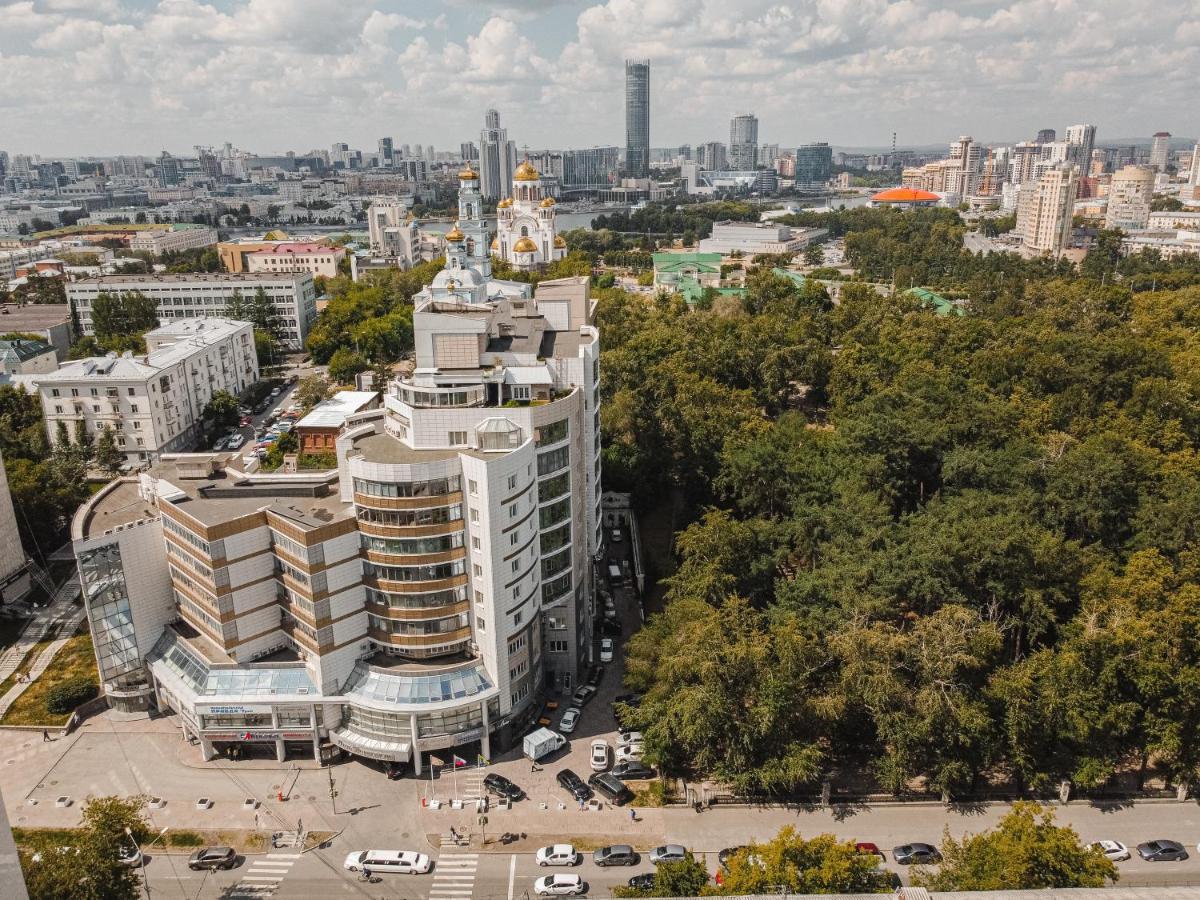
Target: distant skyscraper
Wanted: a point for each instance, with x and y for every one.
(1044, 209)
(1082, 139)
(497, 158)
(468, 151)
(1045, 136)
(711, 156)
(814, 164)
(1160, 151)
(1129, 197)
(685, 151)
(743, 141)
(166, 169)
(387, 154)
(1194, 180)
(637, 118)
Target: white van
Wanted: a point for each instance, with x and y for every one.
(614, 573)
(405, 862)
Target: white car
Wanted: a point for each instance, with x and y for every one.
(630, 737)
(630, 753)
(616, 535)
(606, 650)
(235, 441)
(558, 885)
(404, 862)
(1114, 850)
(599, 756)
(569, 720)
(557, 855)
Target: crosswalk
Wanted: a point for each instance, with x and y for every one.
(454, 876)
(263, 876)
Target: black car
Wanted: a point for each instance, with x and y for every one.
(1162, 851)
(632, 771)
(610, 627)
(395, 771)
(213, 858)
(502, 787)
(616, 855)
(573, 785)
(915, 854)
(643, 882)
(612, 788)
(724, 856)
(594, 676)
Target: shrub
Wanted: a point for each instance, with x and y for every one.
(185, 839)
(66, 695)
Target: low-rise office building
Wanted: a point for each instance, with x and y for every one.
(758, 237)
(319, 430)
(173, 239)
(152, 403)
(293, 256)
(292, 297)
(26, 357)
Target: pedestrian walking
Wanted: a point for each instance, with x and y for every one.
(45, 735)
(632, 815)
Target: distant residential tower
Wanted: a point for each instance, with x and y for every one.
(637, 118)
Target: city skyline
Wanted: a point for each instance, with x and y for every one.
(257, 73)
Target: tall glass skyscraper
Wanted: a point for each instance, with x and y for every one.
(743, 142)
(637, 118)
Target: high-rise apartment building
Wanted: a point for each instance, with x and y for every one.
(712, 157)
(596, 166)
(1194, 174)
(637, 118)
(497, 158)
(468, 152)
(387, 154)
(963, 178)
(1160, 151)
(1129, 196)
(423, 596)
(1082, 139)
(1045, 136)
(814, 164)
(743, 142)
(1044, 210)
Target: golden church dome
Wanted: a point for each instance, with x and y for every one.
(526, 172)
(454, 234)
(559, 242)
(547, 203)
(525, 245)
(495, 243)
(505, 203)
(466, 173)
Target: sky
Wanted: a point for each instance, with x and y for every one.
(84, 77)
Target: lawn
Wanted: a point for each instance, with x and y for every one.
(75, 658)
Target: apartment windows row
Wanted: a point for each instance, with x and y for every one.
(178, 555)
(110, 393)
(555, 513)
(432, 488)
(403, 518)
(552, 433)
(416, 573)
(179, 531)
(428, 600)
(418, 627)
(552, 590)
(553, 460)
(556, 538)
(555, 486)
(438, 544)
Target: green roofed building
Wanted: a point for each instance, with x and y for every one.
(794, 277)
(687, 273)
(939, 304)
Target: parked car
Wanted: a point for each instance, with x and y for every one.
(629, 736)
(502, 787)
(915, 854)
(573, 785)
(1114, 850)
(236, 441)
(606, 650)
(595, 675)
(212, 858)
(599, 755)
(612, 788)
(616, 855)
(642, 882)
(632, 770)
(867, 848)
(610, 608)
(129, 853)
(1162, 851)
(402, 862)
(583, 695)
(610, 626)
(728, 853)
(616, 535)
(559, 885)
(220, 443)
(557, 855)
(569, 720)
(629, 753)
(668, 853)
(245, 421)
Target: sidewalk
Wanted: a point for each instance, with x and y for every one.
(61, 611)
(43, 661)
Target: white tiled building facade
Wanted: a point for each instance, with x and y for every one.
(173, 239)
(153, 402)
(424, 595)
(292, 296)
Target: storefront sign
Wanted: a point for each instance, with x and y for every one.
(443, 741)
(258, 735)
(231, 710)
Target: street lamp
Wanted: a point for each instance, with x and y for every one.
(142, 852)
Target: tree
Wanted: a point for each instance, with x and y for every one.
(819, 865)
(129, 313)
(266, 348)
(311, 390)
(107, 457)
(344, 364)
(814, 255)
(1025, 851)
(95, 872)
(381, 375)
(83, 439)
(685, 878)
(221, 410)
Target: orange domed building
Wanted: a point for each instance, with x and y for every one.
(905, 198)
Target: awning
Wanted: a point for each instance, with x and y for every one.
(527, 375)
(371, 748)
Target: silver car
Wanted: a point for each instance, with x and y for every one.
(668, 853)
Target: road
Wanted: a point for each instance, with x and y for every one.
(290, 367)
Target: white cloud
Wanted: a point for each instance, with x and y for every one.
(100, 75)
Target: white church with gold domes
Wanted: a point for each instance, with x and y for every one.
(526, 232)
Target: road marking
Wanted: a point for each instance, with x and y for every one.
(284, 856)
(512, 874)
(274, 879)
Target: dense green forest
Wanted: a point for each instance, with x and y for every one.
(953, 548)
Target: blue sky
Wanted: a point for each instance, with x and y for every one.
(138, 76)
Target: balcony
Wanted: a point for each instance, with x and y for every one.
(421, 641)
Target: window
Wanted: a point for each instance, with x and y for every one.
(474, 514)
(513, 511)
(558, 646)
(130, 392)
(521, 392)
(474, 486)
(481, 624)
(517, 595)
(516, 565)
(512, 482)
(517, 619)
(479, 596)
(457, 438)
(137, 426)
(551, 433)
(54, 392)
(478, 570)
(133, 407)
(475, 545)
(514, 537)
(58, 409)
